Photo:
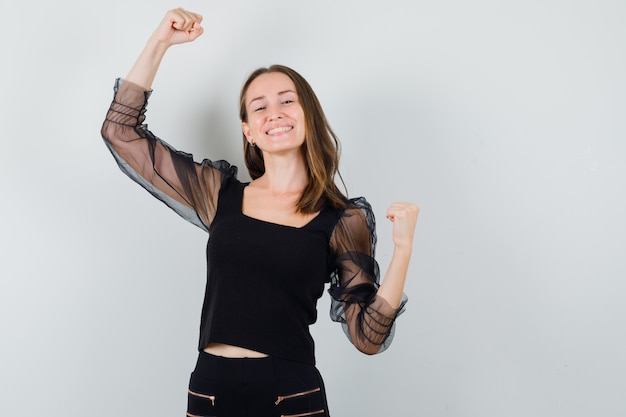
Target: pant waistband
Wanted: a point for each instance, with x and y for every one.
(250, 370)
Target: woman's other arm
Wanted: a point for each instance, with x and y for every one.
(366, 308)
(404, 218)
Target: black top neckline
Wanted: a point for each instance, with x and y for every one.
(261, 221)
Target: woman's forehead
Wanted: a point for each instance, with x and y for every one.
(270, 83)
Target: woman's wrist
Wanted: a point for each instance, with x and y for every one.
(156, 48)
(403, 250)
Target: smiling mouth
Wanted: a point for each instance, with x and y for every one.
(279, 130)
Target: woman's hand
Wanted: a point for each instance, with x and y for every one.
(179, 26)
(404, 218)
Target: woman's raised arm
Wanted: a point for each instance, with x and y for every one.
(189, 188)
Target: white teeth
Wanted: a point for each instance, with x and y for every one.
(279, 130)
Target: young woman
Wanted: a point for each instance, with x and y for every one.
(274, 242)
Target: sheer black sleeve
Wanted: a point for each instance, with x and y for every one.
(367, 319)
(189, 188)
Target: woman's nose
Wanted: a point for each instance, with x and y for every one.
(274, 113)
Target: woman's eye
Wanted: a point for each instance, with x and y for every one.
(287, 101)
(260, 108)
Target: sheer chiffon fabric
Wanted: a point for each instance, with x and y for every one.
(367, 319)
(191, 189)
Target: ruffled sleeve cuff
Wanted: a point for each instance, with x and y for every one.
(129, 104)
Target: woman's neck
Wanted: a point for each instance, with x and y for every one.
(283, 175)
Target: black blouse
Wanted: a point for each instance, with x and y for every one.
(263, 279)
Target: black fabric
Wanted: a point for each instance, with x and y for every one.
(263, 279)
(255, 387)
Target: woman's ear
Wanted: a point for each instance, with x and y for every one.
(246, 131)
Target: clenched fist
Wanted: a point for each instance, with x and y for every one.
(404, 218)
(179, 26)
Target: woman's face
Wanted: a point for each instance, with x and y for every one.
(275, 117)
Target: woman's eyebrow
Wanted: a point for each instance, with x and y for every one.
(255, 99)
(262, 97)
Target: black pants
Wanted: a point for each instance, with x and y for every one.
(255, 387)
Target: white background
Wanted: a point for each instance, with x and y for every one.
(503, 120)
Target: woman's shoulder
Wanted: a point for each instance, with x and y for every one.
(355, 228)
(359, 207)
(357, 214)
(224, 167)
(360, 203)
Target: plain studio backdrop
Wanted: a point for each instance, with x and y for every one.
(505, 121)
